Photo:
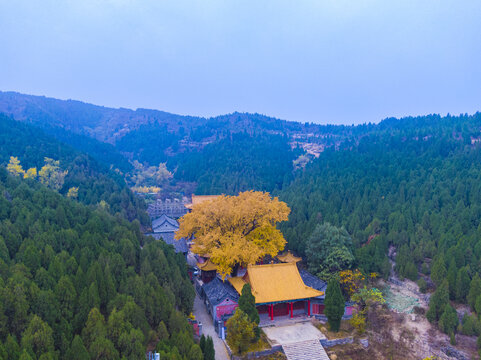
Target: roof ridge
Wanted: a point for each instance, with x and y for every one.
(272, 265)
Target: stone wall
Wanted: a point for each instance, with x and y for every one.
(328, 343)
(255, 354)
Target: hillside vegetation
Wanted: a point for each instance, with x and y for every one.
(76, 282)
(95, 181)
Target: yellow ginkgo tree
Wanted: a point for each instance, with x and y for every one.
(235, 230)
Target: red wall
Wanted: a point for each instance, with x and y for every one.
(225, 308)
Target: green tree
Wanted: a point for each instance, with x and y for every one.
(11, 347)
(438, 271)
(451, 277)
(66, 296)
(25, 355)
(247, 303)
(334, 304)
(77, 350)
(195, 353)
(209, 353)
(94, 328)
(462, 285)
(328, 250)
(477, 306)
(410, 271)
(449, 320)
(131, 344)
(202, 343)
(38, 337)
(474, 290)
(423, 286)
(438, 302)
(103, 349)
(240, 332)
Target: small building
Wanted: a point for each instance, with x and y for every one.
(165, 228)
(208, 271)
(220, 298)
(288, 257)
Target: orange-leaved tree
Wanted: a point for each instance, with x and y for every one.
(235, 230)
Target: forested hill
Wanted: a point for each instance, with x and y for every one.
(76, 284)
(228, 153)
(109, 125)
(414, 184)
(95, 182)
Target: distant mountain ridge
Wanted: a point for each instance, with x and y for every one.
(109, 124)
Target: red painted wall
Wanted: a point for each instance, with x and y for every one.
(348, 310)
(225, 308)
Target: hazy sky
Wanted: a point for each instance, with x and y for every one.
(321, 61)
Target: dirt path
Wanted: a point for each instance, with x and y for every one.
(201, 315)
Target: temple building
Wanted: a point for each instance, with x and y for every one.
(279, 289)
(288, 257)
(164, 228)
(174, 208)
(208, 271)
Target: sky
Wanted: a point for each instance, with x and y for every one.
(322, 61)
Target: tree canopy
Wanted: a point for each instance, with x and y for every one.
(235, 230)
(75, 280)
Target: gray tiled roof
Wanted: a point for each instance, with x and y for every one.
(217, 290)
(313, 281)
(164, 224)
(179, 245)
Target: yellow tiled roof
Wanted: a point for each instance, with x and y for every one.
(274, 283)
(207, 266)
(197, 199)
(288, 258)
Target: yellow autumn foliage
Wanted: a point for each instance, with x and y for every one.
(350, 281)
(73, 192)
(31, 173)
(234, 230)
(14, 166)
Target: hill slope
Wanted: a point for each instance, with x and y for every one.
(75, 283)
(96, 182)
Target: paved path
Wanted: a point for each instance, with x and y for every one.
(300, 341)
(305, 350)
(293, 333)
(201, 315)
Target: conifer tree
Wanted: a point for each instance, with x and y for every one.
(449, 320)
(202, 343)
(474, 290)
(451, 277)
(334, 303)
(477, 306)
(77, 350)
(462, 285)
(438, 271)
(209, 353)
(438, 302)
(247, 303)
